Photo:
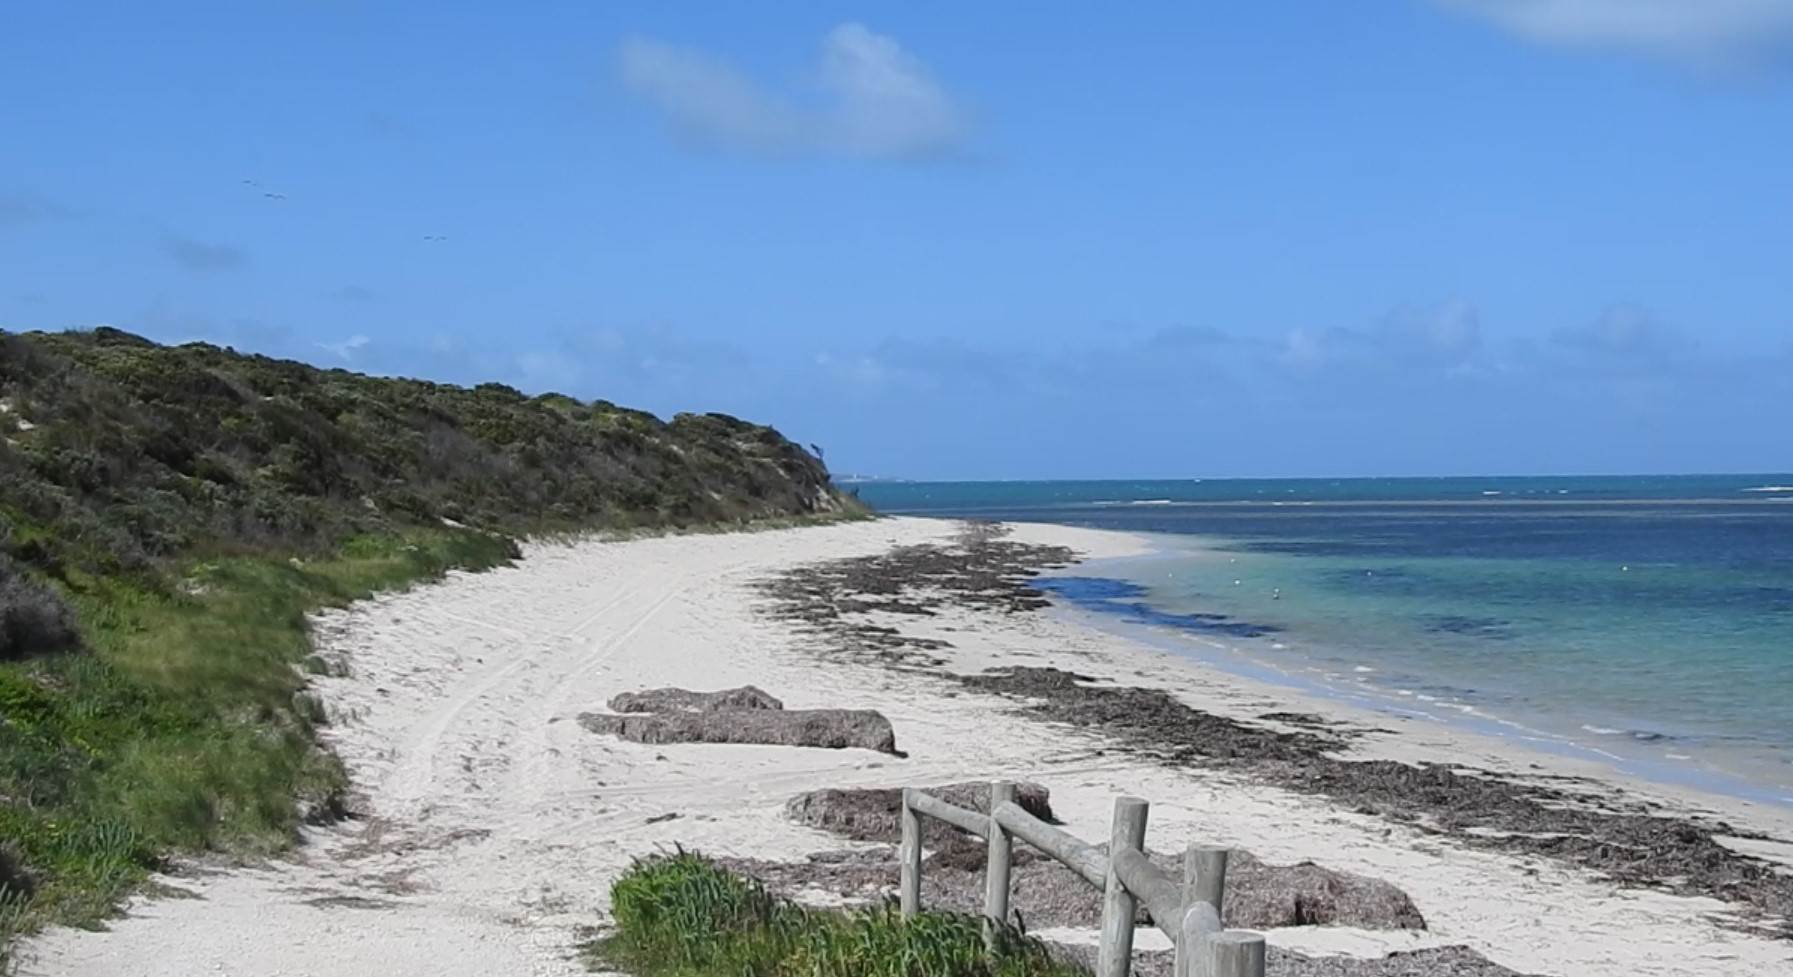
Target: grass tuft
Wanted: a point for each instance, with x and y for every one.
(681, 915)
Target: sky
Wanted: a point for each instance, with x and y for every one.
(948, 240)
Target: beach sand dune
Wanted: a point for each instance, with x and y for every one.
(490, 823)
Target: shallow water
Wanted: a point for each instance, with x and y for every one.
(1646, 621)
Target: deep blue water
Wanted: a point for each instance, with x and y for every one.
(1645, 618)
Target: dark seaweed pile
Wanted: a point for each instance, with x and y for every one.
(982, 571)
(1622, 839)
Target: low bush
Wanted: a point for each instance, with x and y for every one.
(136, 452)
(34, 620)
(681, 915)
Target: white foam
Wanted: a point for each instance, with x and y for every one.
(1602, 730)
(1770, 488)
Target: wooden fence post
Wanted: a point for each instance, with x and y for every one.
(996, 875)
(1200, 921)
(1237, 953)
(910, 855)
(1114, 956)
(1204, 885)
(1204, 867)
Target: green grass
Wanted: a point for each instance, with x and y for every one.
(681, 915)
(184, 726)
(183, 508)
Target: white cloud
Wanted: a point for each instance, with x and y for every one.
(1447, 334)
(1708, 31)
(871, 99)
(886, 102)
(706, 98)
(346, 349)
(1625, 333)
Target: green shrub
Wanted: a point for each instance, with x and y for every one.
(33, 618)
(137, 452)
(681, 915)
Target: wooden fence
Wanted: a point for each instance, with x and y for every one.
(1187, 910)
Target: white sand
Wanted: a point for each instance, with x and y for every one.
(495, 823)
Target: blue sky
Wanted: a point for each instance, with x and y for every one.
(957, 240)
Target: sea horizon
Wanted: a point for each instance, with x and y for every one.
(1644, 622)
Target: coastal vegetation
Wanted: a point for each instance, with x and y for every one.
(682, 915)
(169, 516)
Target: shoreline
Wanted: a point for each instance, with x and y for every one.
(488, 823)
(1413, 738)
(1320, 690)
(1473, 796)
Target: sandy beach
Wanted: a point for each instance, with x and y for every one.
(488, 823)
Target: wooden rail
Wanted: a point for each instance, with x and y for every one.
(1187, 910)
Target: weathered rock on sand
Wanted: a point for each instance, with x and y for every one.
(1258, 895)
(833, 729)
(874, 813)
(669, 699)
(1045, 895)
(1449, 961)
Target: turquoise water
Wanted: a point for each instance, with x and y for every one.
(1644, 621)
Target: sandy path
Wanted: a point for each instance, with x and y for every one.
(493, 822)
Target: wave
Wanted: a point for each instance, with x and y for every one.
(1641, 735)
(1770, 488)
(1132, 502)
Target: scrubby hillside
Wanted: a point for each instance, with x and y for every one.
(115, 451)
(168, 515)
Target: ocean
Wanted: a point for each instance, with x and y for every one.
(1646, 622)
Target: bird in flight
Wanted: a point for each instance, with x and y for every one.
(435, 237)
(274, 196)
